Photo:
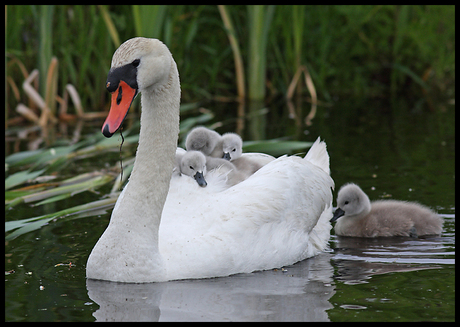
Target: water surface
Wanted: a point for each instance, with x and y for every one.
(397, 151)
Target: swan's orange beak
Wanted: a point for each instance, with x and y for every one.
(121, 102)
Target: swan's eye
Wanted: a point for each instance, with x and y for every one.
(136, 62)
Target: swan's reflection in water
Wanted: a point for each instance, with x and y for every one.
(357, 259)
(300, 293)
(297, 293)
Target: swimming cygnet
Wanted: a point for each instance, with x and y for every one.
(192, 163)
(357, 216)
(205, 140)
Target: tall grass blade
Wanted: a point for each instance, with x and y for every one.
(259, 21)
(51, 91)
(75, 99)
(45, 48)
(298, 27)
(314, 99)
(30, 224)
(238, 59)
(275, 147)
(69, 190)
(148, 20)
(110, 26)
(20, 178)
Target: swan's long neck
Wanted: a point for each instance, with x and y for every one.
(148, 186)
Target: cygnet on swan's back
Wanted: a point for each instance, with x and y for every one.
(192, 163)
(232, 146)
(357, 216)
(195, 164)
(205, 140)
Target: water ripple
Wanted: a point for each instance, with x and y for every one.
(357, 259)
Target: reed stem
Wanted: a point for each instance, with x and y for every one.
(45, 17)
(259, 20)
(239, 68)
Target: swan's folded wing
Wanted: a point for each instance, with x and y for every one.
(261, 223)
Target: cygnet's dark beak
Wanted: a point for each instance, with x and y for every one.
(337, 214)
(226, 156)
(200, 179)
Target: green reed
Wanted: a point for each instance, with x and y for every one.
(45, 52)
(238, 59)
(370, 51)
(362, 51)
(259, 23)
(149, 20)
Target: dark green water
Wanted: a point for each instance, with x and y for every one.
(397, 151)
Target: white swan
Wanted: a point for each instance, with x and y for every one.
(165, 228)
(359, 217)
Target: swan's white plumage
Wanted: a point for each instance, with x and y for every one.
(263, 222)
(164, 228)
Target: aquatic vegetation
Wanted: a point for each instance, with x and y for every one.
(57, 59)
(348, 50)
(33, 177)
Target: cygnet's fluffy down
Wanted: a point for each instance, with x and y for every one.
(232, 146)
(195, 164)
(357, 216)
(234, 175)
(205, 140)
(228, 146)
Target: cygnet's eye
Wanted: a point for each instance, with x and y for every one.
(136, 62)
(233, 150)
(191, 167)
(346, 202)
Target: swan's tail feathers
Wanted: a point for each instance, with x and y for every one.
(318, 155)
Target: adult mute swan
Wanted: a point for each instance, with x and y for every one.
(359, 217)
(165, 228)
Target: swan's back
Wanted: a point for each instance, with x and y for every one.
(276, 217)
